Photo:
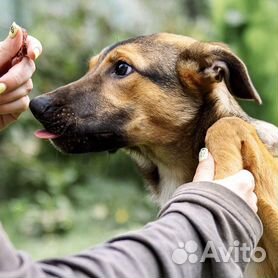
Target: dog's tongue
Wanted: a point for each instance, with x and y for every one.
(43, 134)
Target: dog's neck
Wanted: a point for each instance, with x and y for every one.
(165, 167)
(168, 166)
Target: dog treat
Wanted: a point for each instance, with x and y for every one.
(22, 52)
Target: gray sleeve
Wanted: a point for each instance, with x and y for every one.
(201, 220)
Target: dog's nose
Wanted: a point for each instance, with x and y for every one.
(39, 106)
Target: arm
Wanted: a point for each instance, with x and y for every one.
(198, 212)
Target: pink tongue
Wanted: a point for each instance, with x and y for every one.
(43, 134)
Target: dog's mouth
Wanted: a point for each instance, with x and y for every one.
(72, 133)
(76, 142)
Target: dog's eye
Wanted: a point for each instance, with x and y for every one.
(123, 69)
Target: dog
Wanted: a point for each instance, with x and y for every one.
(156, 97)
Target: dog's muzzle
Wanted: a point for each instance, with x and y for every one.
(72, 134)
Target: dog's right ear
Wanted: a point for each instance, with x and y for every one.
(203, 65)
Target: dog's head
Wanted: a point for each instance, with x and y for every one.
(141, 92)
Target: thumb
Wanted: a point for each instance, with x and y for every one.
(205, 169)
(10, 46)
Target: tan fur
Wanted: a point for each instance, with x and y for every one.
(93, 62)
(235, 145)
(177, 40)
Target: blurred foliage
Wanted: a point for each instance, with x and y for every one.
(251, 28)
(45, 194)
(93, 213)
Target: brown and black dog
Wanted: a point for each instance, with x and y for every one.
(156, 97)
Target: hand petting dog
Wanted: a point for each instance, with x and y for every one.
(242, 183)
(16, 70)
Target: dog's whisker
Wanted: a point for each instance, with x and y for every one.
(65, 128)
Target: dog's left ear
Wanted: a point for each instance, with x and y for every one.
(205, 64)
(233, 70)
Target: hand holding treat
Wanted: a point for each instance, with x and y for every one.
(17, 55)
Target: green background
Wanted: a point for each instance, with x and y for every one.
(52, 204)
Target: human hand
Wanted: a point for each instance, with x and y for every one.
(242, 183)
(16, 83)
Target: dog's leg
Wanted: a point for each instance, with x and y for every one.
(235, 145)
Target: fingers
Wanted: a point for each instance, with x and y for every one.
(246, 177)
(10, 46)
(247, 188)
(205, 169)
(253, 202)
(18, 75)
(18, 106)
(242, 184)
(18, 93)
(6, 120)
(15, 82)
(34, 48)
(243, 181)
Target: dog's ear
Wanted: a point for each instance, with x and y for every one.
(228, 66)
(203, 65)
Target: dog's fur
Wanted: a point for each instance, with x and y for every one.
(242, 149)
(160, 112)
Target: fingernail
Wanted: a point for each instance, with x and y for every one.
(203, 154)
(3, 88)
(36, 52)
(13, 30)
